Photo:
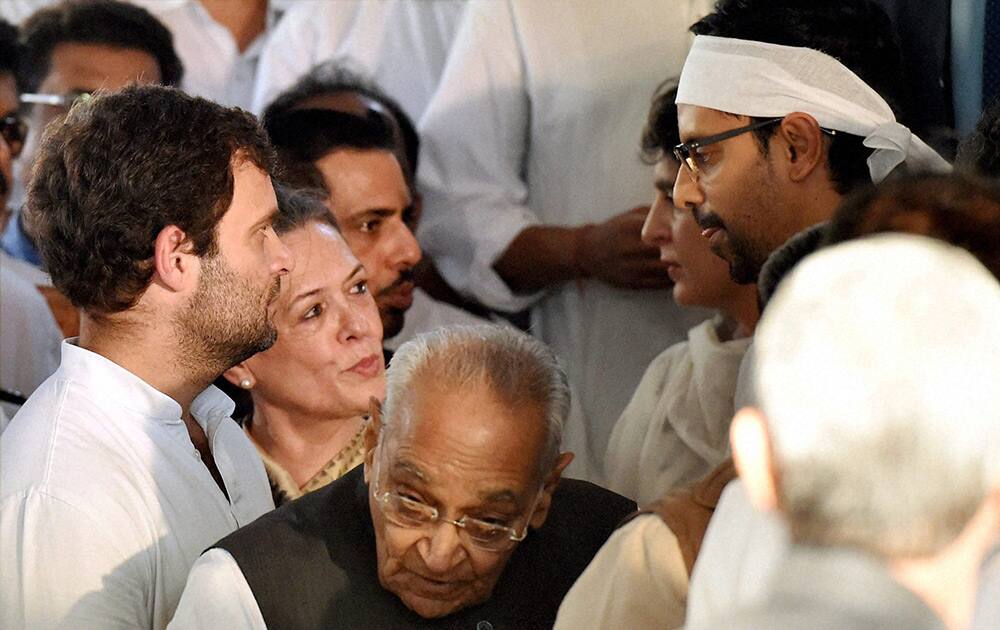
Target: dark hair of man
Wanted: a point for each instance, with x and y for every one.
(118, 170)
(961, 210)
(857, 33)
(10, 51)
(980, 152)
(333, 77)
(660, 135)
(303, 136)
(107, 22)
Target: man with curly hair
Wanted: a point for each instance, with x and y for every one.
(152, 210)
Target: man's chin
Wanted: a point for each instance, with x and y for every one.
(430, 608)
(393, 320)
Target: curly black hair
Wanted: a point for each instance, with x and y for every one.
(119, 169)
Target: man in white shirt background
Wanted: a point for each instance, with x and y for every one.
(529, 170)
(153, 210)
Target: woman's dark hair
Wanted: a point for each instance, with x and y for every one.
(107, 22)
(118, 170)
(961, 210)
(660, 135)
(858, 33)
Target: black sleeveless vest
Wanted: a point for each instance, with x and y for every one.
(311, 563)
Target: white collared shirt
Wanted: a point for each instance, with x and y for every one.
(104, 501)
(214, 67)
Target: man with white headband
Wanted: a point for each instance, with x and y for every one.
(774, 132)
(784, 107)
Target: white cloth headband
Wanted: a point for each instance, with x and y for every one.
(763, 80)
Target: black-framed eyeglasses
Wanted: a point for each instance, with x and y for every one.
(688, 155)
(14, 132)
(687, 152)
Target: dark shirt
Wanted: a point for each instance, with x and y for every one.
(312, 562)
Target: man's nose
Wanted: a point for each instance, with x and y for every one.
(442, 549)
(656, 229)
(282, 260)
(405, 250)
(687, 192)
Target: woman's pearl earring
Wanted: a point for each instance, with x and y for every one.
(245, 383)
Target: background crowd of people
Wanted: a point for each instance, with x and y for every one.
(524, 313)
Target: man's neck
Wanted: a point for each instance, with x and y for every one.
(947, 581)
(742, 308)
(149, 355)
(244, 19)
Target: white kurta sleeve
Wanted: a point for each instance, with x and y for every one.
(637, 580)
(217, 596)
(60, 568)
(474, 142)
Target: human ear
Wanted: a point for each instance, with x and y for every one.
(173, 260)
(751, 445)
(372, 432)
(804, 148)
(241, 376)
(548, 488)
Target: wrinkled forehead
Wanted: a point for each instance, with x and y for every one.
(466, 431)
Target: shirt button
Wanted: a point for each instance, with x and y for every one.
(484, 625)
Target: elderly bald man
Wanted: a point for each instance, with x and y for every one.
(877, 437)
(457, 519)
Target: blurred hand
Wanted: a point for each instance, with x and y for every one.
(613, 252)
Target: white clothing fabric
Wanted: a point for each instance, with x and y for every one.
(214, 67)
(401, 44)
(637, 580)
(741, 550)
(29, 335)
(217, 596)
(676, 428)
(105, 502)
(766, 80)
(29, 272)
(427, 314)
(537, 121)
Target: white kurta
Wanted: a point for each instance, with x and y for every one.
(217, 596)
(676, 428)
(29, 335)
(537, 121)
(401, 44)
(637, 580)
(105, 502)
(214, 67)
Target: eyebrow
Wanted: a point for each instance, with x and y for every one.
(664, 185)
(412, 469)
(267, 219)
(356, 271)
(304, 296)
(499, 496)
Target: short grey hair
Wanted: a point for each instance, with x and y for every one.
(876, 366)
(516, 367)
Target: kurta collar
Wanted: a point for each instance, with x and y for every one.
(107, 380)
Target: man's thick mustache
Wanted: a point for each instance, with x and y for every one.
(708, 220)
(405, 276)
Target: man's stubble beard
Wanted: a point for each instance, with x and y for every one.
(748, 249)
(227, 319)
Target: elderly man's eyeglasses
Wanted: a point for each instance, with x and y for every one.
(412, 514)
(688, 154)
(65, 101)
(14, 131)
